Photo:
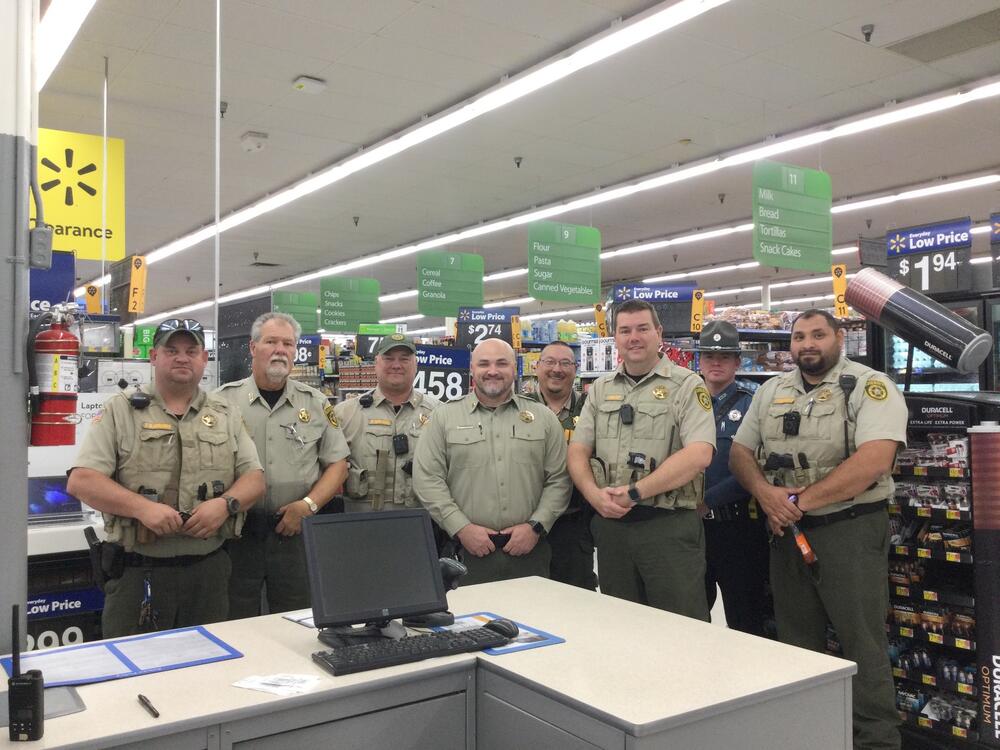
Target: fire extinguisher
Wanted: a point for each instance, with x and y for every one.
(53, 372)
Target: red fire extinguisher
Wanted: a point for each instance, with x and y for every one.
(53, 366)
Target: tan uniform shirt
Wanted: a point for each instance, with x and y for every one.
(154, 449)
(492, 467)
(671, 410)
(376, 473)
(876, 411)
(296, 440)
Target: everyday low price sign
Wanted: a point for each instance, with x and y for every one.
(442, 372)
(932, 258)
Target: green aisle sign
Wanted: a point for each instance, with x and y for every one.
(564, 262)
(447, 281)
(347, 303)
(792, 225)
(300, 305)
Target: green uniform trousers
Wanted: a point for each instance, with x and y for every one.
(659, 561)
(499, 566)
(182, 596)
(273, 564)
(851, 591)
(572, 546)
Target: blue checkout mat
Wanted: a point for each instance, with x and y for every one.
(126, 657)
(527, 637)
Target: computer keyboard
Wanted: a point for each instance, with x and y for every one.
(359, 657)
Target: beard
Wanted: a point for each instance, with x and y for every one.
(493, 387)
(278, 369)
(818, 364)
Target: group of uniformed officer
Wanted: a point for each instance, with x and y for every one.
(176, 470)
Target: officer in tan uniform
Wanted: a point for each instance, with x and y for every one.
(303, 452)
(168, 525)
(491, 470)
(644, 439)
(383, 427)
(816, 448)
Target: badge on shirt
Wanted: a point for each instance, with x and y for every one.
(703, 398)
(824, 394)
(735, 415)
(526, 416)
(382, 422)
(165, 425)
(659, 392)
(208, 420)
(330, 416)
(304, 416)
(876, 390)
(424, 419)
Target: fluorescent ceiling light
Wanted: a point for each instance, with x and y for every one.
(398, 295)
(505, 274)
(672, 176)
(947, 187)
(981, 259)
(621, 38)
(984, 229)
(509, 302)
(559, 313)
(402, 318)
(435, 329)
(701, 272)
(56, 31)
(800, 300)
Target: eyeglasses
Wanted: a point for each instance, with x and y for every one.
(563, 363)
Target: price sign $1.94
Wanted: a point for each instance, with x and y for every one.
(942, 271)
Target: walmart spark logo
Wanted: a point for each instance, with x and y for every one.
(68, 197)
(623, 293)
(897, 243)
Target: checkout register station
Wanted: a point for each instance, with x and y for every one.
(627, 676)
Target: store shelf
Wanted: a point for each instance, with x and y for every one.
(924, 553)
(931, 472)
(938, 727)
(758, 334)
(934, 514)
(916, 634)
(593, 373)
(918, 594)
(543, 344)
(932, 680)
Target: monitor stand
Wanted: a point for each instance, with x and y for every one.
(373, 631)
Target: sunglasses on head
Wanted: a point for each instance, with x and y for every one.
(176, 324)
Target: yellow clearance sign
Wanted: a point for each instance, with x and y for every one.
(70, 176)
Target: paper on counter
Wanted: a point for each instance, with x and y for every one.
(280, 684)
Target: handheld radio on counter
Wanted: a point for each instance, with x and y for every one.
(25, 692)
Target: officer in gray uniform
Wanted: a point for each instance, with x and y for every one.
(383, 427)
(570, 538)
(817, 449)
(638, 454)
(304, 454)
(166, 567)
(491, 471)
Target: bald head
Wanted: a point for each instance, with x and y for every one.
(493, 367)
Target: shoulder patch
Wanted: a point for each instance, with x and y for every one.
(876, 390)
(330, 416)
(701, 393)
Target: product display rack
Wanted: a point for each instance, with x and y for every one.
(936, 622)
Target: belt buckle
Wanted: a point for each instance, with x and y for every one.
(710, 515)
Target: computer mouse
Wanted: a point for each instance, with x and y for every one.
(504, 627)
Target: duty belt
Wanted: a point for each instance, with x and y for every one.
(135, 560)
(737, 511)
(862, 509)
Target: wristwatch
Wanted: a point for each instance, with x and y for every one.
(232, 504)
(537, 527)
(312, 505)
(633, 493)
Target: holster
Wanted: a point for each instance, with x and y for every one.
(112, 561)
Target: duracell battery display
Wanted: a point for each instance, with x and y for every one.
(919, 320)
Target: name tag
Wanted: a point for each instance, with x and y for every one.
(383, 422)
(157, 426)
(784, 400)
(614, 397)
(465, 427)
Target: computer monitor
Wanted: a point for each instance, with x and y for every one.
(372, 567)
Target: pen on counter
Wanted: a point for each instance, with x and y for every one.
(146, 704)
